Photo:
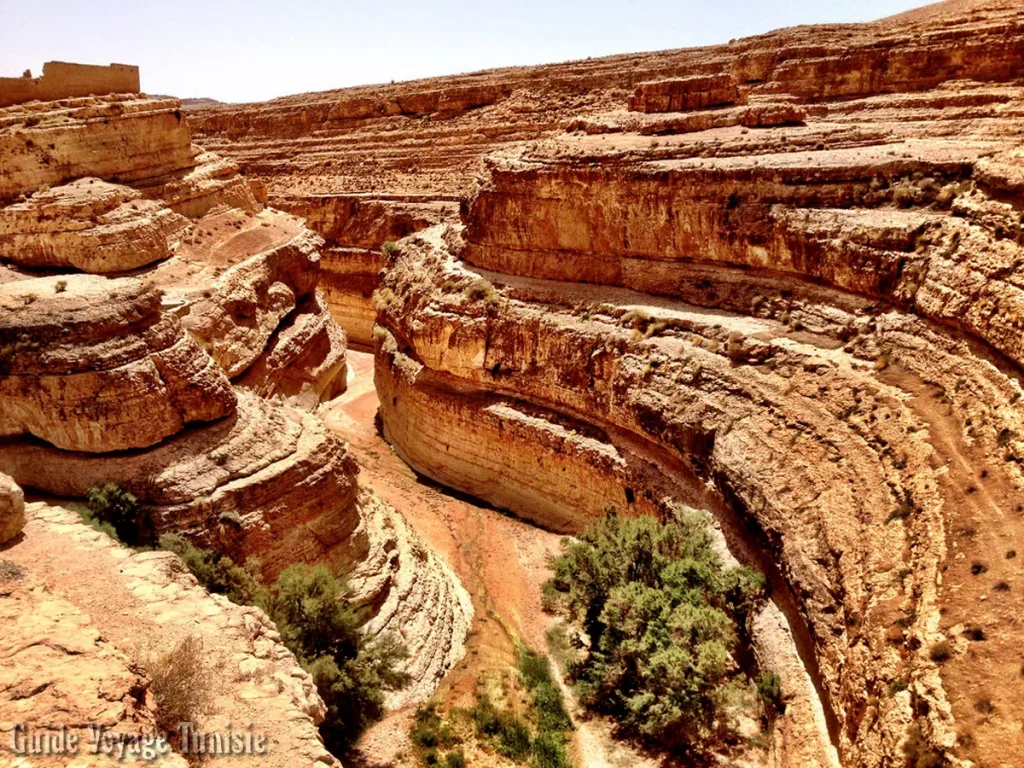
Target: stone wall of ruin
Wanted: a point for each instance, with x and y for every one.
(61, 80)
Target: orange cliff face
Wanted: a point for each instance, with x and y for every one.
(777, 279)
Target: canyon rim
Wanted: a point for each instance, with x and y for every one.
(649, 410)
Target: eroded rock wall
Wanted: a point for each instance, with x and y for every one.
(126, 377)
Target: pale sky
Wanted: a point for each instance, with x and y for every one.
(255, 50)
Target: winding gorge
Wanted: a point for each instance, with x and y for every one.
(419, 332)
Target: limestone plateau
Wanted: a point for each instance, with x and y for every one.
(780, 280)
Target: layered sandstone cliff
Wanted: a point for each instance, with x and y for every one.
(776, 279)
(185, 365)
(114, 185)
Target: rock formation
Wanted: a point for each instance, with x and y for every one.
(81, 614)
(12, 509)
(91, 364)
(161, 329)
(777, 279)
(113, 184)
(358, 229)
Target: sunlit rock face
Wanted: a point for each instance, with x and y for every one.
(163, 330)
(777, 279)
(97, 365)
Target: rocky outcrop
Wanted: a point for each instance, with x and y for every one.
(413, 596)
(91, 226)
(184, 216)
(126, 378)
(12, 509)
(123, 139)
(266, 481)
(785, 288)
(95, 365)
(670, 388)
(83, 616)
(357, 229)
(698, 92)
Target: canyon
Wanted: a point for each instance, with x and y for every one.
(419, 331)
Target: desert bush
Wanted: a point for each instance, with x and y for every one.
(112, 507)
(550, 598)
(486, 717)
(940, 652)
(546, 698)
(507, 731)
(180, 681)
(548, 751)
(513, 738)
(60, 286)
(318, 625)
(769, 688)
(389, 249)
(919, 753)
(428, 730)
(638, 319)
(323, 630)
(217, 573)
(663, 617)
(482, 290)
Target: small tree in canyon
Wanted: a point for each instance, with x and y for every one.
(324, 631)
(663, 618)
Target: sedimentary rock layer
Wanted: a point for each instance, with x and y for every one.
(184, 215)
(364, 140)
(91, 364)
(356, 229)
(412, 594)
(122, 139)
(811, 441)
(89, 225)
(266, 481)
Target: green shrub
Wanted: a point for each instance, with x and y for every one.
(110, 505)
(663, 617)
(549, 709)
(323, 631)
(550, 599)
(549, 751)
(513, 738)
(546, 698)
(769, 688)
(307, 603)
(486, 717)
(217, 573)
(429, 731)
(456, 760)
(389, 249)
